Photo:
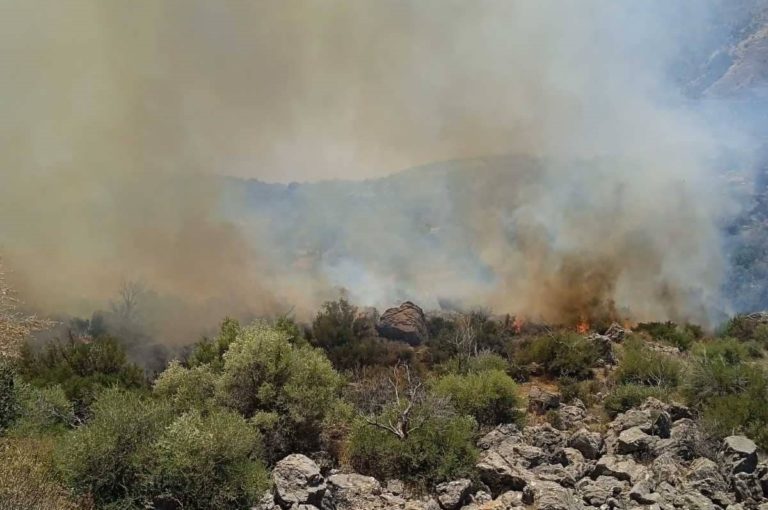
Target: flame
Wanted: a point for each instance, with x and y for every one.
(517, 325)
(583, 326)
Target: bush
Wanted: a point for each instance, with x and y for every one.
(441, 449)
(264, 372)
(81, 368)
(572, 389)
(641, 365)
(186, 388)
(681, 337)
(42, 410)
(744, 414)
(716, 377)
(9, 405)
(210, 352)
(208, 461)
(560, 354)
(490, 396)
(108, 456)
(27, 478)
(626, 396)
(729, 349)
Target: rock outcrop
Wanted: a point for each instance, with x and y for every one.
(646, 458)
(405, 323)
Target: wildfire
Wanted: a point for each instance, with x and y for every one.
(583, 326)
(517, 325)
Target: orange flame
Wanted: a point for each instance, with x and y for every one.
(517, 324)
(583, 326)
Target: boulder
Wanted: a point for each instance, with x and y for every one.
(541, 400)
(622, 468)
(500, 474)
(498, 435)
(590, 444)
(545, 437)
(451, 495)
(740, 453)
(634, 440)
(353, 492)
(747, 488)
(598, 491)
(694, 500)
(405, 323)
(552, 496)
(572, 416)
(297, 480)
(643, 492)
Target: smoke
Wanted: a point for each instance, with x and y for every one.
(120, 118)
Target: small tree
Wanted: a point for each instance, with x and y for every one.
(391, 402)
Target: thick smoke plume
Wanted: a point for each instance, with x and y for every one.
(119, 119)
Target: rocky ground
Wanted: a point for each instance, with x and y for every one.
(651, 457)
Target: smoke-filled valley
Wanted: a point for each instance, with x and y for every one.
(387, 255)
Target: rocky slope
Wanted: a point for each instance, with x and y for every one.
(651, 457)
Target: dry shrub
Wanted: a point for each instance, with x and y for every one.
(27, 479)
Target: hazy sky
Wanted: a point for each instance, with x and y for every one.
(316, 89)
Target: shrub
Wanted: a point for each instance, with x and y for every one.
(626, 396)
(208, 461)
(560, 354)
(81, 368)
(109, 455)
(27, 478)
(264, 372)
(729, 349)
(681, 337)
(9, 405)
(715, 377)
(210, 352)
(42, 410)
(572, 389)
(441, 449)
(490, 396)
(186, 388)
(334, 324)
(746, 414)
(641, 365)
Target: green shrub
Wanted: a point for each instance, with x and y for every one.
(108, 457)
(441, 449)
(490, 396)
(729, 349)
(42, 410)
(186, 388)
(210, 352)
(746, 414)
(641, 365)
(681, 337)
(715, 377)
(626, 396)
(264, 372)
(572, 389)
(9, 405)
(81, 368)
(560, 354)
(208, 461)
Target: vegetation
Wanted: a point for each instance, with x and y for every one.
(640, 365)
(82, 427)
(560, 354)
(490, 396)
